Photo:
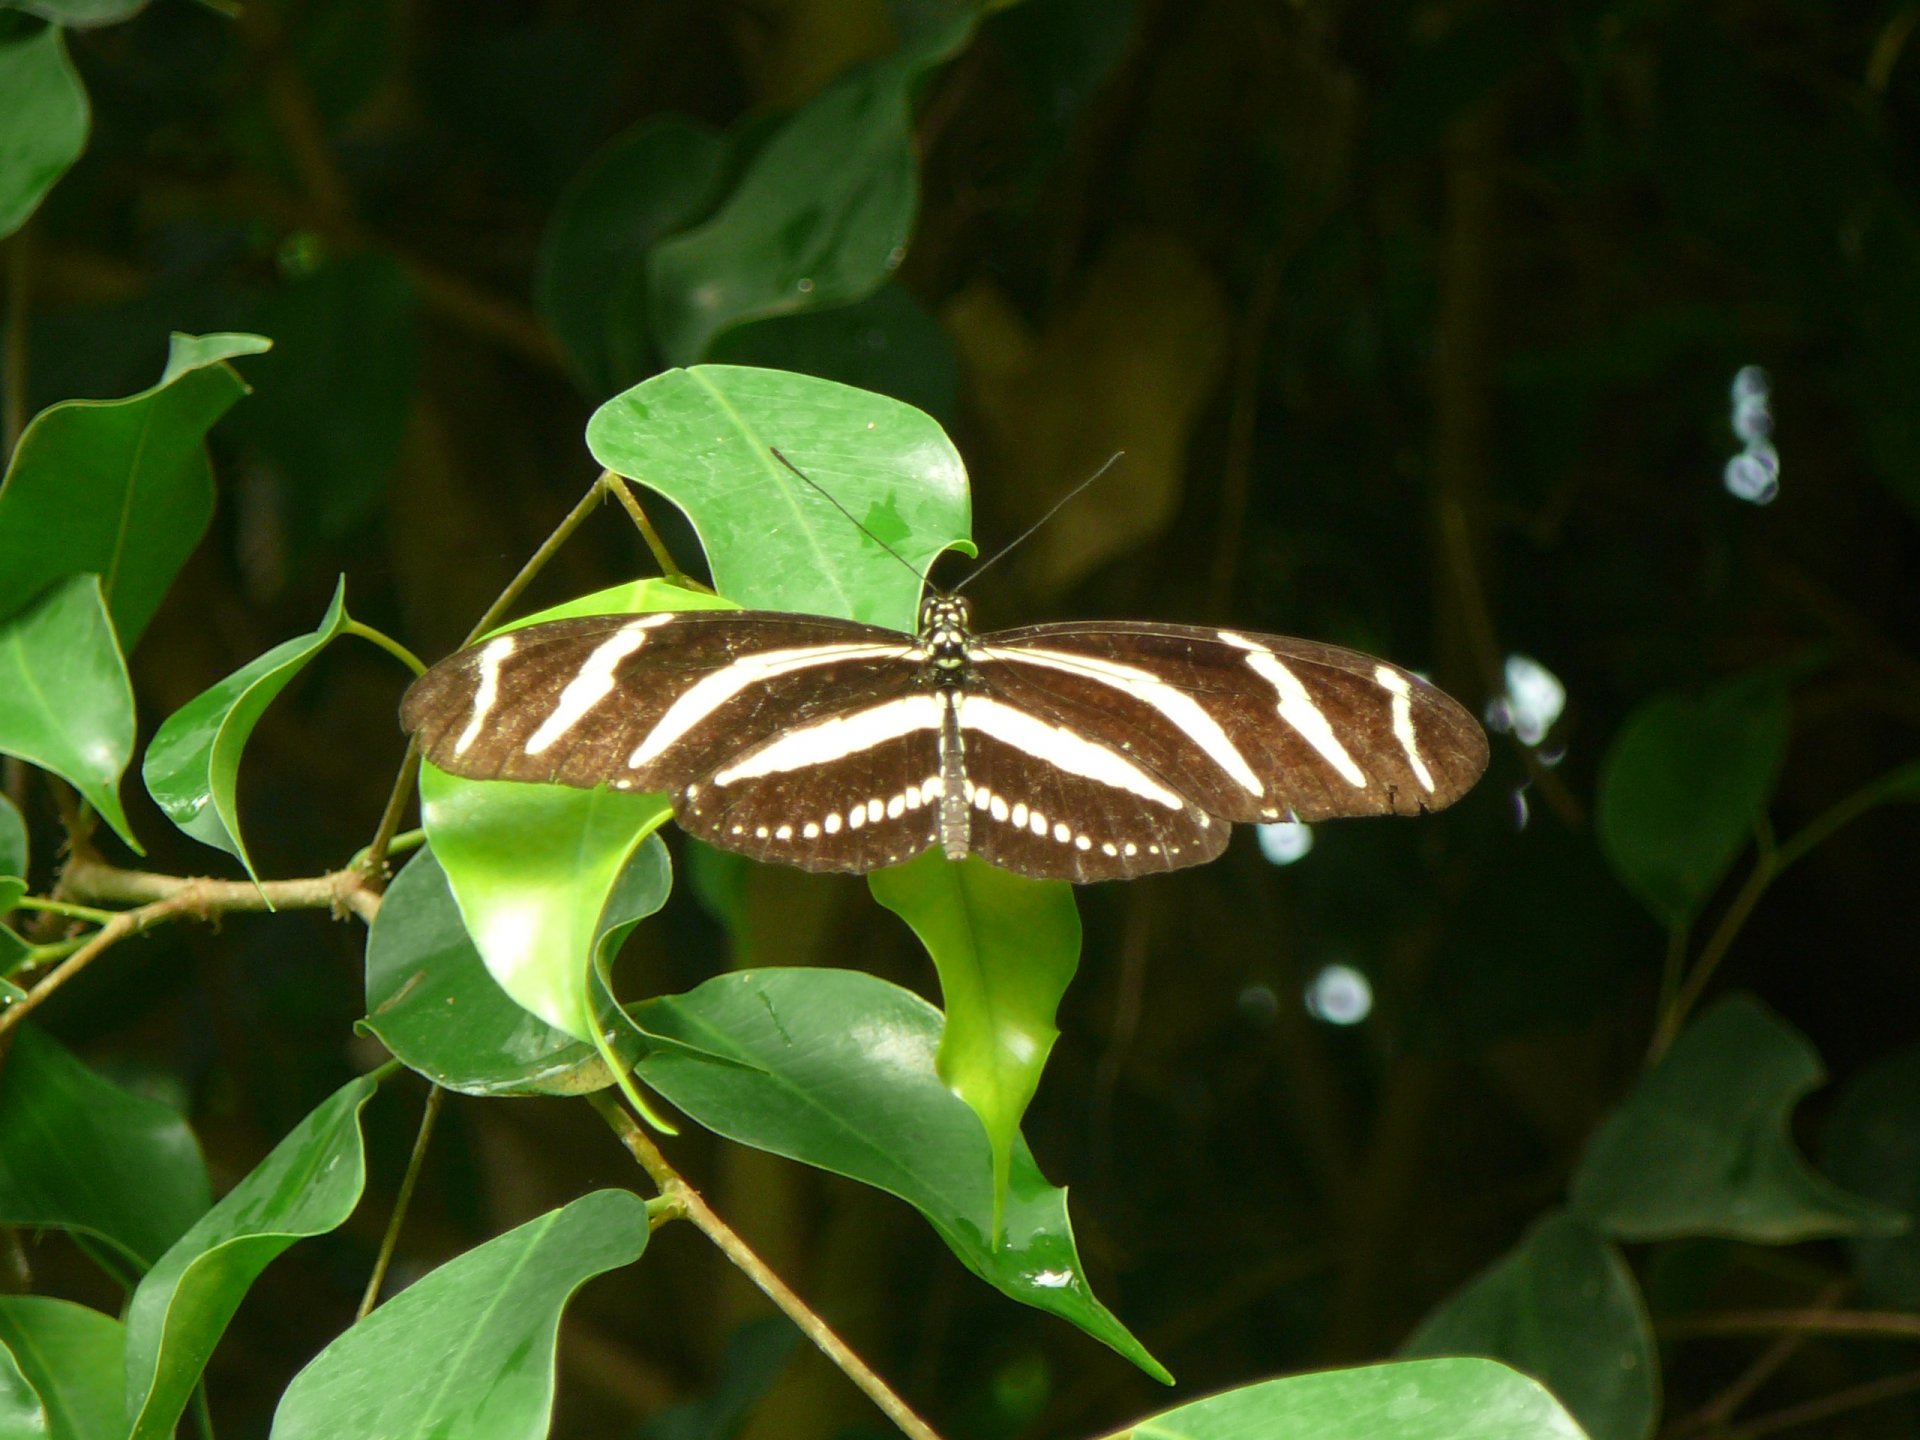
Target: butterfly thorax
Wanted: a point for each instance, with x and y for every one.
(944, 633)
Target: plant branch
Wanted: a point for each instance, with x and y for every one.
(1872, 1392)
(389, 1242)
(682, 1198)
(1716, 1413)
(616, 485)
(159, 898)
(1848, 1324)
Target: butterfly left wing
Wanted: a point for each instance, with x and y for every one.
(1249, 727)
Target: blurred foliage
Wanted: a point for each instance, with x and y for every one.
(1417, 322)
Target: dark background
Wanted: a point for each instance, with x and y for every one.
(1417, 322)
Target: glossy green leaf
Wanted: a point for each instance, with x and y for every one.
(889, 343)
(119, 487)
(1006, 948)
(1684, 784)
(22, 1416)
(1873, 1149)
(704, 438)
(13, 839)
(78, 14)
(308, 1185)
(835, 1068)
(467, 1352)
(66, 703)
(820, 216)
(1701, 1146)
(435, 1007)
(1562, 1307)
(79, 1153)
(1462, 1399)
(659, 177)
(43, 121)
(74, 1359)
(192, 766)
(330, 403)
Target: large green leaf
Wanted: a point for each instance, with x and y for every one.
(66, 703)
(1873, 1148)
(1006, 948)
(22, 1416)
(820, 217)
(1562, 1307)
(79, 1153)
(73, 1358)
(433, 1004)
(466, 1352)
(836, 1069)
(119, 487)
(1462, 1399)
(1684, 784)
(705, 438)
(308, 1185)
(43, 122)
(192, 766)
(657, 178)
(1701, 1146)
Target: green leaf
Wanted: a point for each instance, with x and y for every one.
(704, 438)
(1684, 784)
(820, 217)
(192, 766)
(1413, 1400)
(467, 1352)
(78, 14)
(1873, 1149)
(1562, 1307)
(22, 1416)
(835, 1069)
(1701, 1146)
(1006, 948)
(73, 1357)
(79, 1153)
(119, 487)
(66, 703)
(308, 1185)
(13, 839)
(657, 178)
(43, 122)
(435, 1007)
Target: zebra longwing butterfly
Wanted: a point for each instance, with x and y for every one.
(1081, 752)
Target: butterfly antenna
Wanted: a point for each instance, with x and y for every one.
(846, 512)
(1024, 535)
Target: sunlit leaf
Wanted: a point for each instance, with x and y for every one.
(308, 1185)
(1006, 948)
(820, 217)
(466, 1352)
(1701, 1146)
(66, 703)
(79, 1153)
(705, 438)
(1873, 1149)
(1562, 1307)
(43, 122)
(835, 1068)
(192, 766)
(119, 487)
(657, 178)
(74, 1359)
(1463, 1399)
(433, 1004)
(1684, 784)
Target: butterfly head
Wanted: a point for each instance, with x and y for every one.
(943, 630)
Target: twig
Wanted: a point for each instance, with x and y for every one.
(1849, 1324)
(1890, 1387)
(1717, 1412)
(158, 898)
(684, 1199)
(616, 486)
(389, 1242)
